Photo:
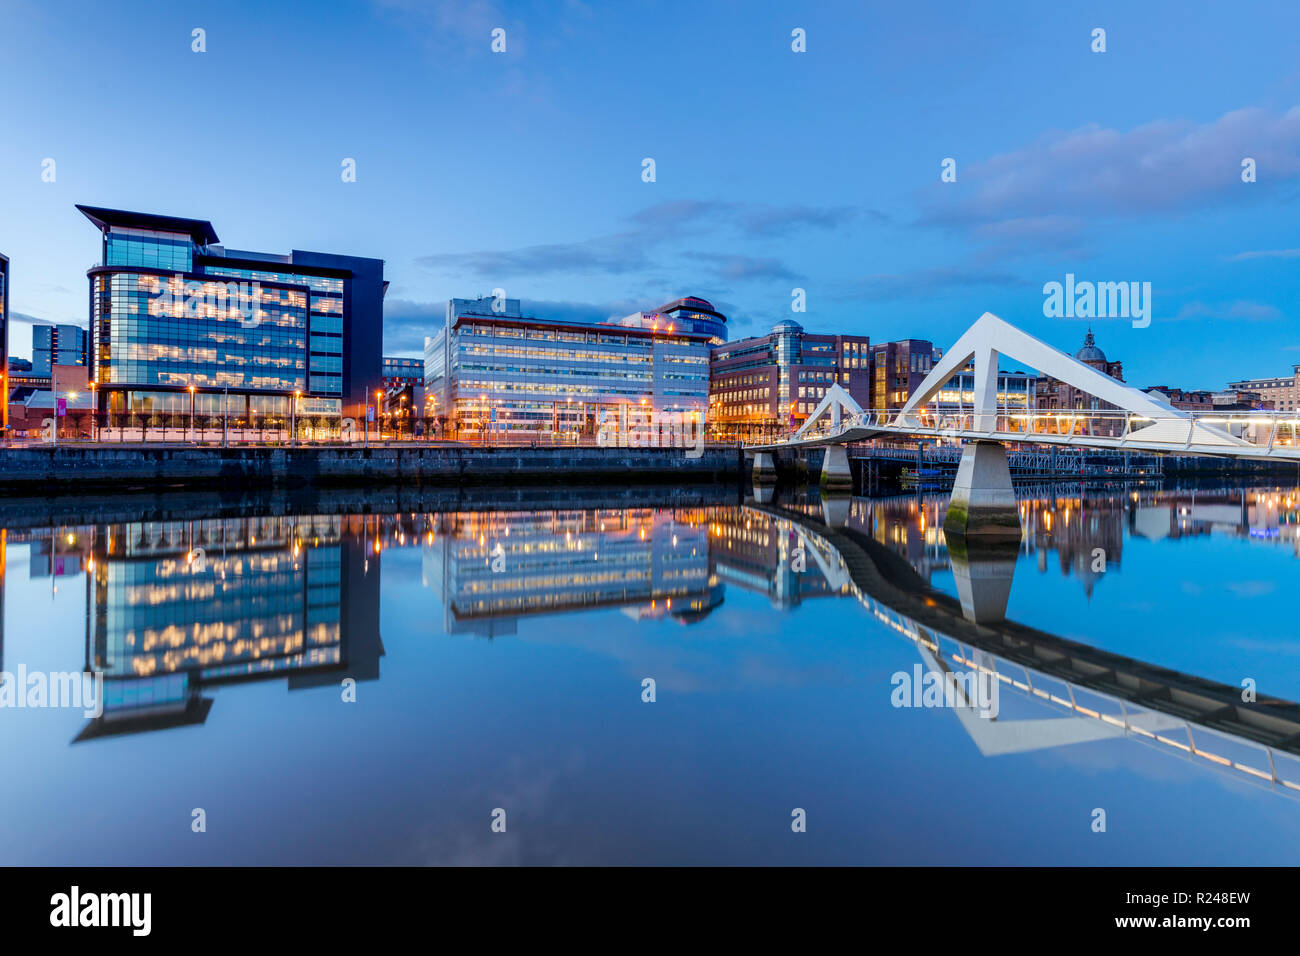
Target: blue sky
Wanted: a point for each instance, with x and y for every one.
(775, 169)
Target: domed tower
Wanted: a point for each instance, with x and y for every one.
(1091, 355)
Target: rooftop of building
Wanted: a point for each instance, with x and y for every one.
(1089, 352)
(200, 230)
(535, 321)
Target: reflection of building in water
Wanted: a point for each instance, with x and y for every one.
(174, 607)
(1077, 529)
(490, 568)
(752, 551)
(59, 552)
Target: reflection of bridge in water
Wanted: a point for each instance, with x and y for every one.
(1102, 695)
(177, 607)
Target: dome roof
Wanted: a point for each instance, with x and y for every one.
(786, 325)
(1090, 352)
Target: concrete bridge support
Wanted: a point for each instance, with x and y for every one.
(764, 468)
(835, 510)
(983, 501)
(836, 473)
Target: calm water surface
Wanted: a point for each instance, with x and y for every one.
(499, 653)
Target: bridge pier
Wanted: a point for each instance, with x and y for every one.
(764, 468)
(982, 569)
(983, 501)
(836, 473)
(835, 510)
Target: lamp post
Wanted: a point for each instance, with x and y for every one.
(225, 414)
(191, 428)
(378, 421)
(94, 414)
(71, 397)
(293, 418)
(483, 418)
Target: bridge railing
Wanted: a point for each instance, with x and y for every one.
(1265, 429)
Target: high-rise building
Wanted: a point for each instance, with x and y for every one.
(491, 370)
(57, 345)
(772, 382)
(245, 333)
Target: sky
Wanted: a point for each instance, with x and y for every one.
(774, 170)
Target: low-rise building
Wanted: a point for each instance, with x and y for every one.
(1282, 393)
(1183, 399)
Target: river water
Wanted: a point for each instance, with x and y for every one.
(585, 676)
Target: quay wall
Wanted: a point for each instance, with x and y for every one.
(62, 468)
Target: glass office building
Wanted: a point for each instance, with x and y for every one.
(57, 345)
(492, 371)
(186, 333)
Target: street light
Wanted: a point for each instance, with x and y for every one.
(191, 390)
(378, 433)
(94, 414)
(293, 417)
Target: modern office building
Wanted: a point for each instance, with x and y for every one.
(403, 372)
(1282, 393)
(770, 383)
(1017, 393)
(897, 369)
(258, 340)
(4, 342)
(687, 314)
(57, 345)
(495, 373)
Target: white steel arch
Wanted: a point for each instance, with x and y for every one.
(837, 401)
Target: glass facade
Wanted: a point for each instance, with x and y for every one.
(150, 249)
(172, 310)
(158, 330)
(57, 345)
(522, 376)
(325, 341)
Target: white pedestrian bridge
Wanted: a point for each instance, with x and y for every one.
(1128, 419)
